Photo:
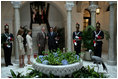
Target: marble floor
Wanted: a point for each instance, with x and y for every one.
(5, 71)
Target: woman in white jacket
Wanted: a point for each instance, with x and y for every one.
(29, 46)
(20, 48)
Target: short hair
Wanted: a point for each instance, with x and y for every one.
(51, 27)
(20, 31)
(29, 30)
(42, 27)
(21, 27)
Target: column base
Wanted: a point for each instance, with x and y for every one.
(111, 62)
(16, 61)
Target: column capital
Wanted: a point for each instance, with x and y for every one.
(93, 7)
(16, 4)
(112, 2)
(69, 5)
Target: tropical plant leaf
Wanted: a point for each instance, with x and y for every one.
(107, 35)
(30, 68)
(12, 73)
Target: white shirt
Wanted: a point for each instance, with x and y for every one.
(29, 41)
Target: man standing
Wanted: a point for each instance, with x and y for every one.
(77, 37)
(52, 37)
(41, 40)
(98, 36)
(6, 40)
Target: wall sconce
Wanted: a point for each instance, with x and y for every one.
(98, 11)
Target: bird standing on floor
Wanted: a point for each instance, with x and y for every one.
(98, 60)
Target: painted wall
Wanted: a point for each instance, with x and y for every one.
(55, 17)
(25, 14)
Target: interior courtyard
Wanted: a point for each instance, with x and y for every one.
(61, 15)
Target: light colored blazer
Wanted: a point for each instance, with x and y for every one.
(29, 44)
(20, 45)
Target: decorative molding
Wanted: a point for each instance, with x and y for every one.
(93, 2)
(93, 8)
(69, 5)
(112, 2)
(58, 70)
(79, 6)
(16, 4)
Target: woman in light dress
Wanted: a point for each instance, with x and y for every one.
(20, 48)
(29, 46)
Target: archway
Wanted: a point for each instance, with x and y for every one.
(56, 18)
(53, 3)
(86, 18)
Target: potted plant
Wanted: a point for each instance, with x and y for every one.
(87, 40)
(58, 58)
(82, 55)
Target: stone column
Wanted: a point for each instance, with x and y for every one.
(112, 53)
(16, 5)
(92, 9)
(69, 5)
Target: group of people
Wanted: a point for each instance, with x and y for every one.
(98, 35)
(21, 46)
(7, 39)
(25, 44)
(41, 42)
(52, 37)
(52, 40)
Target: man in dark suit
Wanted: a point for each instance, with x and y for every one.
(52, 36)
(77, 37)
(98, 36)
(6, 40)
(41, 40)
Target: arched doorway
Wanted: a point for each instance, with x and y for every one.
(55, 18)
(51, 3)
(87, 18)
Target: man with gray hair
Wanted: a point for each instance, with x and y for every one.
(41, 41)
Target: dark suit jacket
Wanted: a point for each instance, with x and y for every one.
(100, 34)
(78, 34)
(41, 39)
(51, 39)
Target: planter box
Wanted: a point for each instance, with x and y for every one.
(82, 56)
(87, 55)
